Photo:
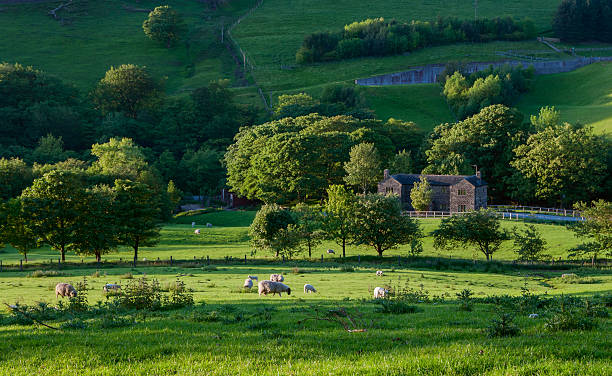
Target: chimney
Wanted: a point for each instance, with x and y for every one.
(386, 174)
(478, 175)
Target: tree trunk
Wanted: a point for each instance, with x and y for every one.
(486, 254)
(380, 251)
(309, 251)
(63, 252)
(135, 252)
(593, 261)
(343, 247)
(25, 256)
(98, 258)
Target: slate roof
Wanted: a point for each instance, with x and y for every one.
(439, 180)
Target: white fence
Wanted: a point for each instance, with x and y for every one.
(536, 210)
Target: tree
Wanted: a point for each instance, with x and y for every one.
(97, 231)
(128, 89)
(338, 216)
(401, 163)
(119, 159)
(15, 229)
(164, 25)
(597, 227)
(175, 195)
(421, 195)
(364, 167)
(202, 172)
(136, 212)
(530, 245)
(51, 205)
(561, 165)
(481, 229)
(275, 229)
(547, 117)
(378, 222)
(50, 149)
(309, 225)
(15, 176)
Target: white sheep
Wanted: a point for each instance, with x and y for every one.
(197, 231)
(192, 224)
(379, 273)
(267, 287)
(248, 283)
(65, 289)
(111, 287)
(277, 278)
(253, 277)
(533, 315)
(379, 292)
(209, 225)
(308, 288)
(331, 251)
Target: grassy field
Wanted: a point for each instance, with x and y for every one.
(229, 238)
(103, 34)
(583, 96)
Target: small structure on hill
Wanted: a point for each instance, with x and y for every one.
(451, 193)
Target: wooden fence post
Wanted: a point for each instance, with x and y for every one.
(170, 260)
(0, 266)
(359, 259)
(20, 265)
(245, 259)
(321, 258)
(207, 260)
(399, 260)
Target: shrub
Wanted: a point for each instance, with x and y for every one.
(465, 299)
(141, 294)
(347, 269)
(126, 276)
(112, 320)
(44, 273)
(502, 326)
(75, 323)
(395, 306)
(568, 320)
(79, 303)
(179, 297)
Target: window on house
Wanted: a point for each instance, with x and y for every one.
(444, 190)
(462, 208)
(461, 192)
(444, 207)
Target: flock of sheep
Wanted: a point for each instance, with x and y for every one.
(275, 286)
(272, 286)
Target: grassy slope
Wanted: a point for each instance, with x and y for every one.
(229, 237)
(582, 96)
(103, 34)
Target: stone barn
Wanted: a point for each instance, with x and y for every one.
(451, 193)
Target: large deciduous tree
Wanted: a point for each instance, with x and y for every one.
(378, 222)
(51, 205)
(481, 229)
(128, 88)
(309, 223)
(597, 228)
(119, 159)
(421, 195)
(164, 25)
(15, 175)
(529, 244)
(364, 167)
(15, 228)
(275, 229)
(338, 217)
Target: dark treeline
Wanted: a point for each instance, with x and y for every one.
(377, 37)
(584, 20)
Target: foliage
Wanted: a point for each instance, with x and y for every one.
(275, 229)
(561, 165)
(128, 88)
(395, 306)
(379, 223)
(597, 227)
(340, 208)
(15, 229)
(421, 195)
(363, 167)
(204, 173)
(502, 326)
(164, 25)
(465, 299)
(481, 229)
(377, 37)
(309, 223)
(579, 20)
(15, 176)
(566, 320)
(530, 245)
(119, 159)
(401, 163)
(468, 95)
(547, 117)
(486, 140)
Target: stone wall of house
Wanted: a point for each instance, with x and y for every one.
(392, 186)
(481, 198)
(440, 200)
(456, 200)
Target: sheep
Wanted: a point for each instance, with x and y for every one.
(192, 224)
(569, 275)
(379, 273)
(277, 278)
(111, 287)
(308, 288)
(209, 225)
(533, 315)
(253, 277)
(267, 287)
(331, 251)
(379, 292)
(248, 283)
(197, 231)
(65, 289)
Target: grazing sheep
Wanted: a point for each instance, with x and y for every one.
(569, 275)
(197, 231)
(253, 277)
(248, 283)
(308, 288)
(65, 289)
(331, 251)
(533, 315)
(379, 273)
(111, 287)
(267, 287)
(192, 224)
(277, 278)
(379, 292)
(209, 225)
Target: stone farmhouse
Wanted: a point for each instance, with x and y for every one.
(451, 193)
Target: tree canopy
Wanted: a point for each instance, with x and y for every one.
(164, 25)
(364, 167)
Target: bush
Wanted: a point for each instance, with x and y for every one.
(44, 273)
(347, 269)
(502, 326)
(74, 324)
(79, 303)
(465, 299)
(568, 320)
(141, 294)
(395, 306)
(112, 320)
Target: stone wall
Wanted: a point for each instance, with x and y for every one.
(457, 200)
(428, 74)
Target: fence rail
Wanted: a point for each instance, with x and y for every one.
(536, 209)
